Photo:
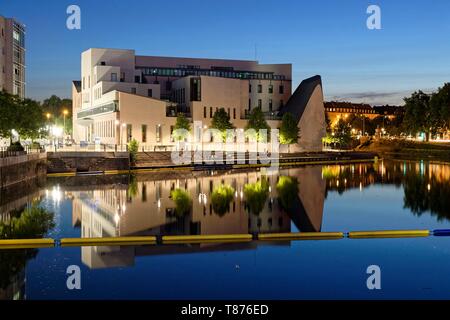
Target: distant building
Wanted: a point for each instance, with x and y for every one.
(342, 110)
(123, 96)
(12, 56)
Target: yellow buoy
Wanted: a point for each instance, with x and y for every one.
(26, 243)
(389, 234)
(301, 236)
(207, 238)
(117, 241)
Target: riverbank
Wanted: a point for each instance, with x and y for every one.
(161, 161)
(408, 150)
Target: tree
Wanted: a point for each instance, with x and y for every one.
(31, 120)
(182, 200)
(221, 198)
(342, 133)
(418, 116)
(257, 122)
(221, 121)
(440, 108)
(55, 107)
(289, 130)
(256, 195)
(181, 128)
(22, 115)
(133, 148)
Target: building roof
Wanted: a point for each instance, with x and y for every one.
(77, 85)
(297, 103)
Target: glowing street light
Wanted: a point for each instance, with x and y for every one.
(65, 112)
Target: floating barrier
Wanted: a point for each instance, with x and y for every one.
(123, 241)
(26, 243)
(207, 238)
(218, 238)
(302, 236)
(389, 234)
(441, 233)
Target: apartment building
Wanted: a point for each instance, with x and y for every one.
(12, 56)
(123, 96)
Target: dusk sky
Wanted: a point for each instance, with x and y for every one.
(329, 38)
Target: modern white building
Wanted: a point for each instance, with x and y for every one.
(122, 96)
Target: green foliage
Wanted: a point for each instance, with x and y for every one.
(133, 148)
(25, 116)
(34, 222)
(342, 133)
(132, 187)
(287, 188)
(221, 198)
(289, 130)
(418, 116)
(256, 195)
(181, 128)
(55, 106)
(221, 121)
(183, 201)
(257, 122)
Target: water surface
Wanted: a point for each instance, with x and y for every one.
(384, 195)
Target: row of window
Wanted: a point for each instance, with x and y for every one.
(105, 129)
(351, 110)
(211, 114)
(269, 88)
(179, 72)
(270, 104)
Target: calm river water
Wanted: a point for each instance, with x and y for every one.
(382, 195)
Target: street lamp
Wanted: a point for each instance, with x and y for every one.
(65, 112)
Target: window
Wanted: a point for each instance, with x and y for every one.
(171, 132)
(249, 88)
(281, 89)
(129, 134)
(259, 88)
(168, 85)
(133, 90)
(158, 133)
(228, 111)
(270, 104)
(234, 113)
(210, 112)
(249, 104)
(270, 88)
(204, 112)
(259, 103)
(144, 133)
(103, 63)
(150, 93)
(122, 77)
(137, 79)
(114, 77)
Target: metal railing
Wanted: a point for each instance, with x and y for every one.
(87, 147)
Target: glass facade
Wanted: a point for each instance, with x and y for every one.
(183, 72)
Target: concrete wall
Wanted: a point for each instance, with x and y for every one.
(21, 168)
(61, 162)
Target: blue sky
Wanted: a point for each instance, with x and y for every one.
(329, 38)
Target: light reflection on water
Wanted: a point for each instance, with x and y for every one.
(384, 195)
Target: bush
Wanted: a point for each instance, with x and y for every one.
(15, 146)
(133, 147)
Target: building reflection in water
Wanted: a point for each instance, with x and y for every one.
(220, 203)
(235, 202)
